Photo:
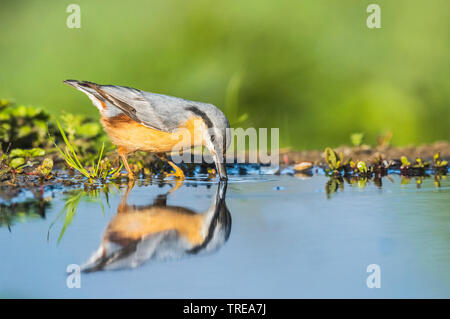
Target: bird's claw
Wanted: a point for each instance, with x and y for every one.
(178, 174)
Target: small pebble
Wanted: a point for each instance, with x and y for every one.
(303, 166)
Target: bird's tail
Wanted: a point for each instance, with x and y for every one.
(88, 88)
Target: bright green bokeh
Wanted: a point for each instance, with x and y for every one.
(312, 68)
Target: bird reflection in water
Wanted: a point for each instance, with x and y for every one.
(159, 231)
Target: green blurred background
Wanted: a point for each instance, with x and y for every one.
(311, 68)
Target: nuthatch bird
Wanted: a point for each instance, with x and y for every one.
(159, 231)
(137, 120)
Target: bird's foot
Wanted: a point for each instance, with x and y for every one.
(178, 174)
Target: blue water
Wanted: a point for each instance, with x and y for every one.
(273, 237)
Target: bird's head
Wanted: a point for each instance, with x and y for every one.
(217, 137)
(217, 142)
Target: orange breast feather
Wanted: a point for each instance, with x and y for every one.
(132, 136)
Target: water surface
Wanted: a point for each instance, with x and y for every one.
(259, 236)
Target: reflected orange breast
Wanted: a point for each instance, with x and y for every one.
(132, 226)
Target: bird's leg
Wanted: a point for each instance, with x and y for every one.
(123, 204)
(127, 167)
(178, 171)
(123, 156)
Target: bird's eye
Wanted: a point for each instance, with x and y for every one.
(213, 138)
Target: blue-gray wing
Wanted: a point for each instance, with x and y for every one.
(158, 111)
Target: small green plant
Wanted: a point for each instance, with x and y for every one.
(379, 165)
(211, 172)
(18, 157)
(17, 163)
(362, 167)
(405, 163)
(335, 162)
(357, 139)
(418, 167)
(22, 126)
(421, 164)
(100, 170)
(359, 167)
(11, 164)
(45, 169)
(384, 140)
(438, 163)
(84, 134)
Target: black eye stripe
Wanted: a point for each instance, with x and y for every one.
(200, 113)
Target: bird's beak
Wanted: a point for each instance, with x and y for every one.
(220, 165)
(222, 189)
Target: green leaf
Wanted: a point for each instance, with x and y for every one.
(362, 167)
(17, 152)
(16, 162)
(4, 116)
(4, 102)
(89, 129)
(20, 111)
(45, 168)
(32, 111)
(331, 158)
(357, 139)
(405, 161)
(24, 131)
(35, 152)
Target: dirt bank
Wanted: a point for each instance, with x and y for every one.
(365, 153)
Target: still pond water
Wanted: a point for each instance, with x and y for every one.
(259, 236)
